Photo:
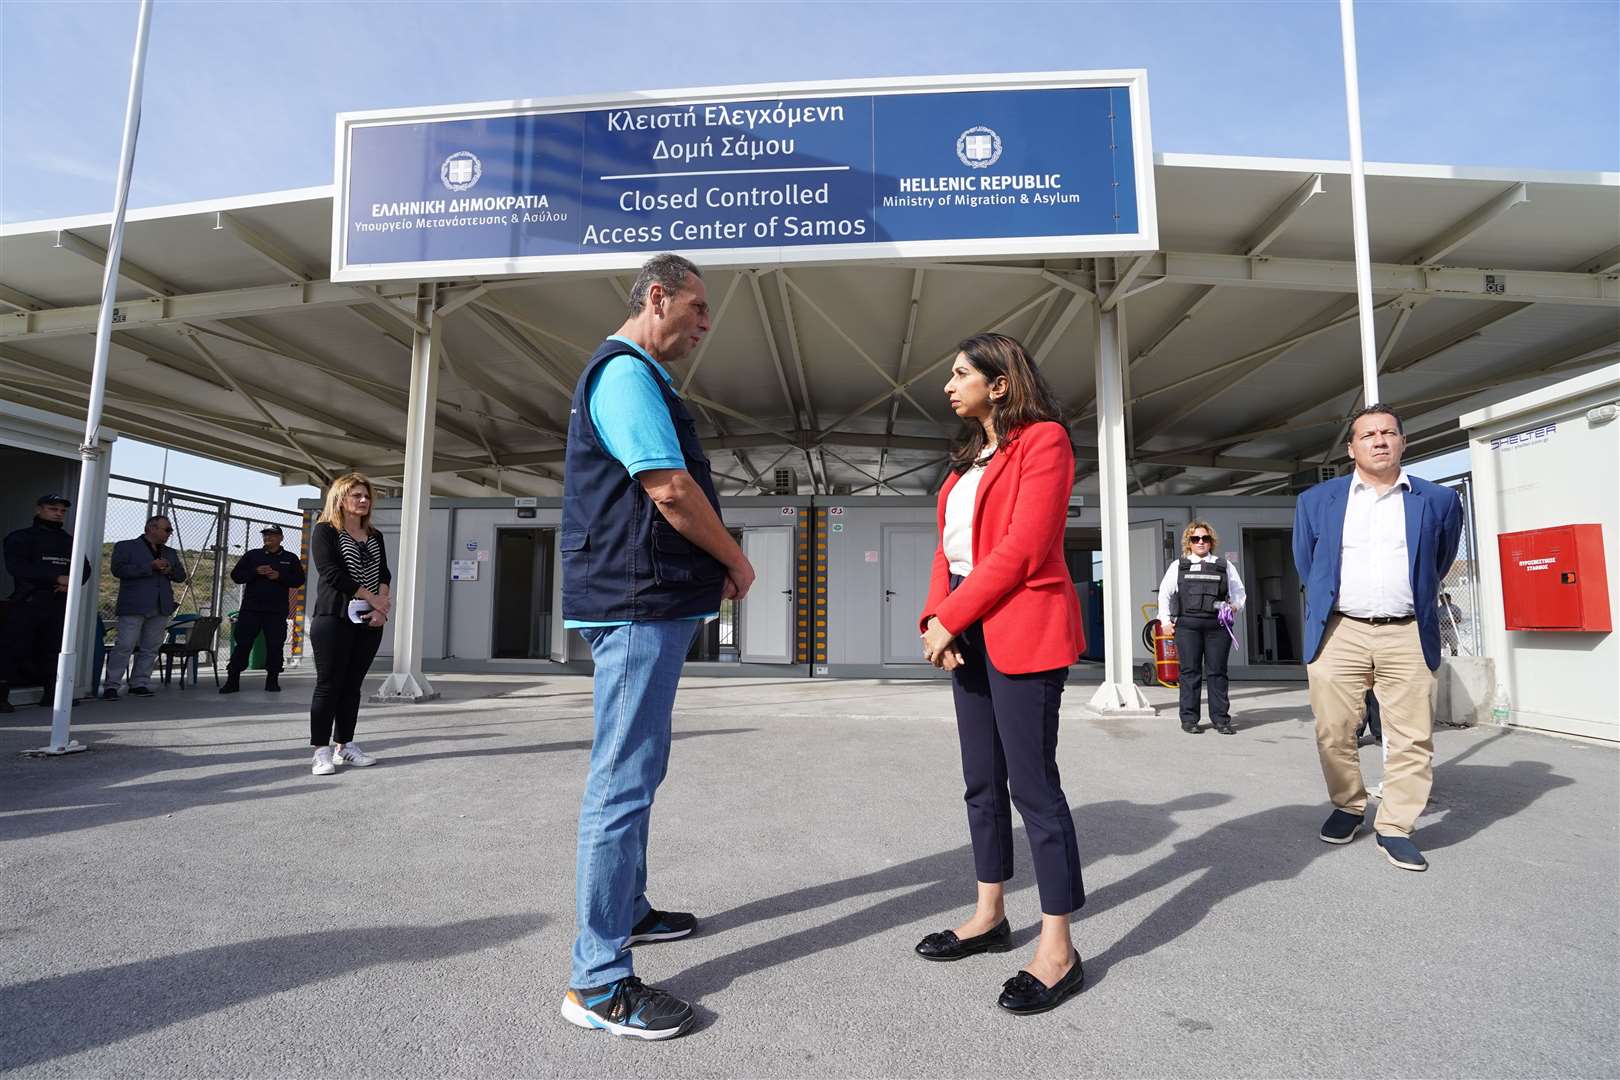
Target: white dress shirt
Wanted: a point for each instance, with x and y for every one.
(958, 537)
(1375, 575)
(1235, 593)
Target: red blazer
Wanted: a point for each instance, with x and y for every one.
(1020, 584)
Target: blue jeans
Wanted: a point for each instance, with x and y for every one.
(637, 669)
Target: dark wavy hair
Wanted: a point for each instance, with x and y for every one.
(1028, 399)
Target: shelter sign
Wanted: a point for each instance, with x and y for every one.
(1053, 165)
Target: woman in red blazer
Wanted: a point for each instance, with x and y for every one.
(1003, 618)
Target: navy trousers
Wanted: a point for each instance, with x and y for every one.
(1203, 645)
(1008, 727)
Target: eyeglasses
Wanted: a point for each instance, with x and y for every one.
(1200, 539)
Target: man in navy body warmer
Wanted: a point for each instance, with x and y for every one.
(645, 561)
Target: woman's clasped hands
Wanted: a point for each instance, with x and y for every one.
(939, 646)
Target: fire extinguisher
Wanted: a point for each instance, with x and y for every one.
(1166, 667)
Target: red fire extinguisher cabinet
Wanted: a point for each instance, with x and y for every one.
(1555, 579)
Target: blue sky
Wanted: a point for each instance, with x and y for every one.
(240, 97)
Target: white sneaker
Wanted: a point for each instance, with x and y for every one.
(353, 755)
(323, 762)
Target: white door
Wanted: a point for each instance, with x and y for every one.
(1147, 555)
(908, 557)
(765, 616)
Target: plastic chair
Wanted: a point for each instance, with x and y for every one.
(201, 636)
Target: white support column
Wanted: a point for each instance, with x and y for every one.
(94, 537)
(406, 683)
(1358, 206)
(1118, 695)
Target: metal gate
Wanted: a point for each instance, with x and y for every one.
(210, 532)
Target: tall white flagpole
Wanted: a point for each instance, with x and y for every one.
(1358, 207)
(90, 450)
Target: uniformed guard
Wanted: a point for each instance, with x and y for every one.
(269, 575)
(1200, 598)
(37, 558)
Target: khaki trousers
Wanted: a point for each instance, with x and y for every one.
(1389, 659)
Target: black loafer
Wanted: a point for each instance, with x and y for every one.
(1024, 994)
(1226, 728)
(1191, 729)
(945, 945)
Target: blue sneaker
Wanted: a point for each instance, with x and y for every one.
(661, 926)
(628, 1007)
(1341, 827)
(1403, 853)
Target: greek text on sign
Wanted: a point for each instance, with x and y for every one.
(1524, 438)
(1044, 164)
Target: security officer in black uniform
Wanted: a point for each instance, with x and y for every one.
(37, 558)
(1193, 592)
(270, 574)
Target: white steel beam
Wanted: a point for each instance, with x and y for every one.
(996, 325)
(193, 307)
(1450, 282)
(1118, 292)
(1470, 226)
(790, 331)
(714, 326)
(521, 347)
(1606, 263)
(406, 682)
(904, 362)
(1262, 238)
(20, 300)
(1059, 328)
(265, 248)
(269, 417)
(97, 254)
(899, 390)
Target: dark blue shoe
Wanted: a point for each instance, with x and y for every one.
(1403, 853)
(661, 926)
(1341, 827)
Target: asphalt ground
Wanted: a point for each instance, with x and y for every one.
(187, 900)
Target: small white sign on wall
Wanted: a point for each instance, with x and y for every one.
(463, 569)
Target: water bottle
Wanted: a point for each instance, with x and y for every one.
(1502, 709)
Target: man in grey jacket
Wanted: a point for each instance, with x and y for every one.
(145, 568)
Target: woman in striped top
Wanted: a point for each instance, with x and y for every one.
(352, 603)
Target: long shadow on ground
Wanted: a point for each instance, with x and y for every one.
(67, 1014)
(111, 793)
(1217, 864)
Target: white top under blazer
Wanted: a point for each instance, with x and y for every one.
(958, 538)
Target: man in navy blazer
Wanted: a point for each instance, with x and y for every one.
(1372, 548)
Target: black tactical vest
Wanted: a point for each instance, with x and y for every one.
(1200, 586)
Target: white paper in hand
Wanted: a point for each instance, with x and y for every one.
(358, 610)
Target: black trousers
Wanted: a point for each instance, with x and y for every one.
(343, 654)
(1008, 727)
(1203, 645)
(249, 625)
(30, 642)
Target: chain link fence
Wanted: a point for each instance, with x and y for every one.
(1459, 590)
(210, 533)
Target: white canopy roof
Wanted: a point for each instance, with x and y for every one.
(1241, 331)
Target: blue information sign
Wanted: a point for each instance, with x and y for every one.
(1017, 165)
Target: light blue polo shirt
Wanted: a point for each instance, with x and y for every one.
(632, 423)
